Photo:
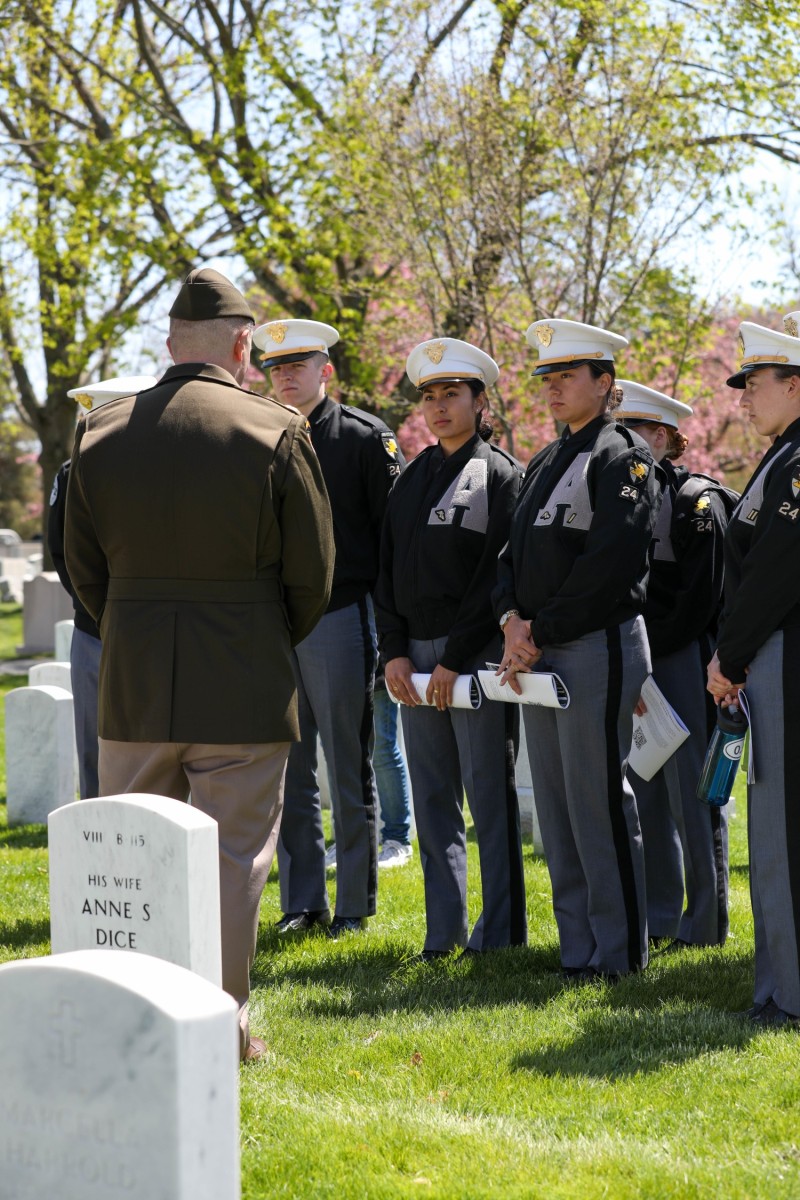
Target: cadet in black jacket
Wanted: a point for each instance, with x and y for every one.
(571, 588)
(759, 649)
(684, 593)
(335, 664)
(85, 645)
(446, 521)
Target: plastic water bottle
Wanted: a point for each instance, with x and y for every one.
(722, 757)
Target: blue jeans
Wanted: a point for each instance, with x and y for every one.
(391, 775)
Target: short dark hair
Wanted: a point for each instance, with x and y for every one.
(786, 372)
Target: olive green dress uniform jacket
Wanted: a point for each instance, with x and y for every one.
(199, 536)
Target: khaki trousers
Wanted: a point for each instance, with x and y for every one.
(241, 787)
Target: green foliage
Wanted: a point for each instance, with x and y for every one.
(20, 492)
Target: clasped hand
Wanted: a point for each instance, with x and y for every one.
(520, 652)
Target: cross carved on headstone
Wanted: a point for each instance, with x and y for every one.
(65, 1027)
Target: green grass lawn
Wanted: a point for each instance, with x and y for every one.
(490, 1077)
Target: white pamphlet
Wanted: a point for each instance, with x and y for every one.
(466, 693)
(744, 705)
(540, 687)
(657, 734)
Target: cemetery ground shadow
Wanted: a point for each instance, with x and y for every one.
(639, 1034)
(24, 837)
(14, 934)
(370, 981)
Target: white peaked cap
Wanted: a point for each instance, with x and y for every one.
(761, 347)
(563, 342)
(292, 341)
(95, 395)
(443, 359)
(791, 323)
(640, 403)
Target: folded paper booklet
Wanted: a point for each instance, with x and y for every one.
(540, 687)
(656, 735)
(466, 693)
(744, 705)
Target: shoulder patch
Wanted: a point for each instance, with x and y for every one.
(702, 504)
(390, 444)
(795, 483)
(54, 492)
(638, 470)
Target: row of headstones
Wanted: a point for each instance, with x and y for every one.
(41, 757)
(119, 1053)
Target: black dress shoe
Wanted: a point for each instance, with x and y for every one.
(303, 921)
(750, 1014)
(429, 956)
(676, 945)
(775, 1018)
(340, 925)
(578, 974)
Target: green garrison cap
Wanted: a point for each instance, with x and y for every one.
(206, 295)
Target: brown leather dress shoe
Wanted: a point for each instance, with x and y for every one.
(256, 1048)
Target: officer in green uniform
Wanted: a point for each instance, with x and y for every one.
(198, 536)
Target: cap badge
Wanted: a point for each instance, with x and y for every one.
(790, 325)
(84, 399)
(637, 471)
(435, 352)
(277, 331)
(545, 334)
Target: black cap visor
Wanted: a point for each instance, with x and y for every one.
(739, 380)
(277, 360)
(604, 365)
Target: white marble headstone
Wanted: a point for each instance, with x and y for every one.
(119, 1081)
(51, 674)
(137, 872)
(528, 817)
(64, 632)
(45, 602)
(40, 753)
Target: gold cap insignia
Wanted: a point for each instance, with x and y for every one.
(435, 351)
(277, 331)
(545, 334)
(637, 471)
(84, 399)
(740, 347)
(790, 325)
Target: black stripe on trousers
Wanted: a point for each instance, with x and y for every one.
(791, 769)
(619, 828)
(517, 930)
(705, 649)
(365, 736)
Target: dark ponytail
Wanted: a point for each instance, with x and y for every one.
(484, 425)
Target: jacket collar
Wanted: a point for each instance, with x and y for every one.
(199, 370)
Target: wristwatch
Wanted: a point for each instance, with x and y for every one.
(507, 615)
